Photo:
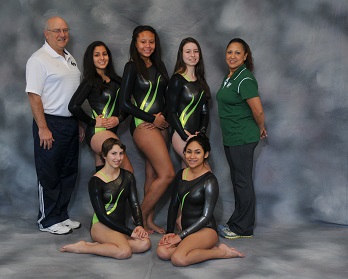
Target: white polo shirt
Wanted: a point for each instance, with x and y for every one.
(54, 77)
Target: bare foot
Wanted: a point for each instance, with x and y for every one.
(158, 229)
(230, 252)
(146, 227)
(152, 226)
(74, 248)
(149, 231)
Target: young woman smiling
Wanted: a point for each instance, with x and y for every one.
(100, 86)
(142, 94)
(109, 190)
(195, 191)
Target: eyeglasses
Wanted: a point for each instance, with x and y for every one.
(58, 31)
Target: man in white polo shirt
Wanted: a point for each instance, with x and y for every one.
(52, 77)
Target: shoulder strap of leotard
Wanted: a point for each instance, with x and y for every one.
(186, 77)
(185, 174)
(104, 175)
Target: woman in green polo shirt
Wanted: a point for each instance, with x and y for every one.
(242, 125)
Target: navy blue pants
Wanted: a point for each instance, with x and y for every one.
(240, 159)
(56, 169)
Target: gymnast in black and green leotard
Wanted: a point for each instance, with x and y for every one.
(195, 190)
(147, 94)
(188, 94)
(109, 199)
(100, 86)
(142, 95)
(110, 189)
(189, 106)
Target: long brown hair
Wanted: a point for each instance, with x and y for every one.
(180, 66)
(249, 62)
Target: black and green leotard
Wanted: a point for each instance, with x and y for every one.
(140, 97)
(109, 201)
(188, 106)
(197, 199)
(103, 101)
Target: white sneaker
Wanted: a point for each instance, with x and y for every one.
(57, 229)
(71, 224)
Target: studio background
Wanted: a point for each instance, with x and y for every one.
(300, 55)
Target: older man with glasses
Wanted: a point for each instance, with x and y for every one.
(52, 77)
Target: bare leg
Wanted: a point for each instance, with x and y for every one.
(81, 247)
(159, 170)
(101, 249)
(150, 177)
(109, 244)
(149, 222)
(96, 144)
(229, 251)
(201, 246)
(165, 253)
(139, 245)
(178, 145)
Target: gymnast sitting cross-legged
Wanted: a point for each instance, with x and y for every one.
(195, 191)
(109, 190)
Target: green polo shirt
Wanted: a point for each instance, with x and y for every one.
(236, 119)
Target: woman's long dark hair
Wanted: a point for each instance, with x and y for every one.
(155, 56)
(249, 62)
(89, 71)
(180, 66)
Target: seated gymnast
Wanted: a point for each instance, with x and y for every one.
(109, 190)
(195, 191)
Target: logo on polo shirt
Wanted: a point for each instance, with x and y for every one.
(73, 63)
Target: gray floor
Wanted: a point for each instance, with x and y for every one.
(310, 251)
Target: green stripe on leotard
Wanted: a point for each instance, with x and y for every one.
(183, 199)
(183, 116)
(95, 218)
(94, 114)
(143, 104)
(115, 205)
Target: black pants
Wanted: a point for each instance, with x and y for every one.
(240, 159)
(56, 169)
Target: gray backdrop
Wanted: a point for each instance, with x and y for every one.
(300, 52)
